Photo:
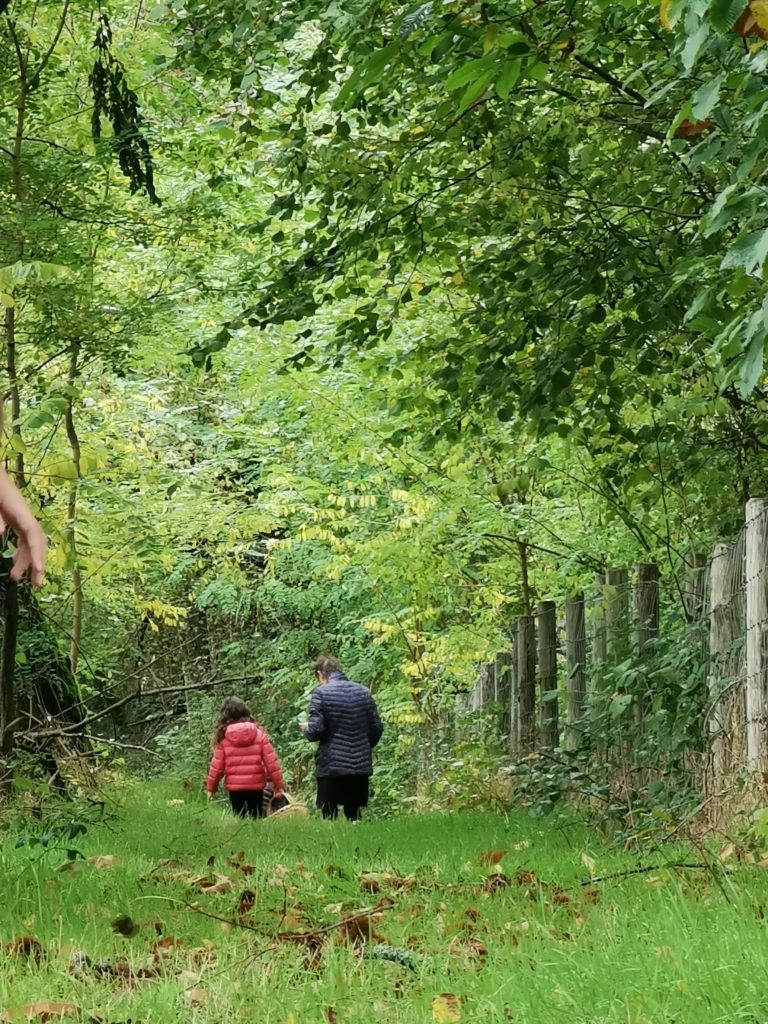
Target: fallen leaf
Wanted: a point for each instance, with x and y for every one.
(592, 896)
(125, 926)
(492, 857)
(330, 1015)
(446, 1008)
(727, 852)
(588, 863)
(42, 1011)
(104, 862)
(524, 877)
(246, 903)
(560, 895)
(235, 859)
(26, 947)
(495, 882)
(196, 996)
(212, 886)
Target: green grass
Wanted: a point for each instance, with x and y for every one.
(658, 948)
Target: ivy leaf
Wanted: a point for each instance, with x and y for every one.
(749, 252)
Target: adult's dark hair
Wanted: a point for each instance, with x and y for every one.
(232, 710)
(326, 666)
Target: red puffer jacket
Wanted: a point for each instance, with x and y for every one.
(247, 759)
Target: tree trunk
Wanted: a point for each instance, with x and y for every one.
(71, 529)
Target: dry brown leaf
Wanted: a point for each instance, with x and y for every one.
(42, 1011)
(330, 1015)
(692, 129)
(104, 862)
(236, 858)
(196, 996)
(246, 903)
(727, 852)
(26, 947)
(446, 1008)
(492, 857)
(211, 886)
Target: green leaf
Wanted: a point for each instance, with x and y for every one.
(705, 98)
(723, 14)
(472, 71)
(508, 79)
(361, 78)
(619, 704)
(751, 368)
(749, 252)
(693, 45)
(475, 90)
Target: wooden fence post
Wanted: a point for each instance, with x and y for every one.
(757, 634)
(645, 606)
(503, 691)
(617, 614)
(526, 683)
(645, 617)
(514, 698)
(696, 588)
(725, 627)
(547, 650)
(575, 660)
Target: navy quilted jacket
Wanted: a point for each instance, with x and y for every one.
(344, 721)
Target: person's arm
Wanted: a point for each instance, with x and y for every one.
(375, 727)
(216, 771)
(314, 730)
(31, 540)
(272, 764)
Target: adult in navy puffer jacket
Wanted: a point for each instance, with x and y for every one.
(344, 721)
(245, 758)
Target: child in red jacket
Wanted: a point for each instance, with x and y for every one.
(245, 757)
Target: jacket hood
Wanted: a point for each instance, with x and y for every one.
(242, 734)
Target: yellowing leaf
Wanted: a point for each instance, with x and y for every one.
(759, 9)
(664, 7)
(446, 1008)
(489, 39)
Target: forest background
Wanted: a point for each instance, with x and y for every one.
(363, 329)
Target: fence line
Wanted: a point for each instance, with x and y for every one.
(721, 604)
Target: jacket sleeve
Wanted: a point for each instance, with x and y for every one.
(272, 764)
(216, 771)
(316, 726)
(375, 727)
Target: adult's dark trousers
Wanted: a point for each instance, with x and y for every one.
(247, 803)
(347, 791)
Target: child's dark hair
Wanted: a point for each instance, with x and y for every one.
(232, 710)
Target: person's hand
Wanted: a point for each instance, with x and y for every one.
(31, 547)
(210, 795)
(278, 794)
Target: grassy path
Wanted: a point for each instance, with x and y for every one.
(537, 948)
